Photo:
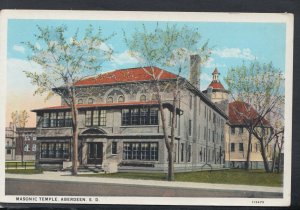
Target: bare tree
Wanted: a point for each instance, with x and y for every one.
(19, 120)
(258, 88)
(170, 47)
(64, 62)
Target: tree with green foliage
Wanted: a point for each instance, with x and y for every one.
(171, 47)
(65, 61)
(260, 87)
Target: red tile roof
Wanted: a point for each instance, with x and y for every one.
(132, 103)
(127, 75)
(216, 85)
(240, 112)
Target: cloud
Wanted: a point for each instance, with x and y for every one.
(210, 64)
(124, 58)
(19, 48)
(234, 53)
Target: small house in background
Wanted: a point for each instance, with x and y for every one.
(20, 142)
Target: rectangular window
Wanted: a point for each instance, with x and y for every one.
(140, 116)
(232, 147)
(140, 151)
(145, 151)
(200, 154)
(190, 127)
(191, 101)
(95, 117)
(153, 116)
(209, 115)
(135, 116)
(102, 117)
(51, 147)
(60, 119)
(189, 153)
(205, 112)
(214, 118)
(26, 148)
(153, 151)
(8, 151)
(34, 147)
(144, 116)
(232, 130)
(126, 117)
(68, 119)
(241, 147)
(46, 118)
(114, 148)
(59, 151)
(241, 130)
(182, 152)
(209, 135)
(53, 150)
(88, 118)
(44, 150)
(53, 119)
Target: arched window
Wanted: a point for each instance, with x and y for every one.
(121, 99)
(90, 101)
(109, 100)
(143, 98)
(80, 101)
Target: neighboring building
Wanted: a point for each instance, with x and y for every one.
(237, 144)
(20, 142)
(26, 144)
(236, 135)
(119, 122)
(10, 143)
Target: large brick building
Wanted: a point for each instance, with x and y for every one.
(119, 123)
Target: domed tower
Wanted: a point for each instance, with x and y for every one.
(216, 92)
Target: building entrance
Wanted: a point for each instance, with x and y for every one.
(95, 153)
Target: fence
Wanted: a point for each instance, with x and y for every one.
(20, 165)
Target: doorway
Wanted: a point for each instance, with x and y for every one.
(95, 153)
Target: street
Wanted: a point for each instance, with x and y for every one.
(70, 188)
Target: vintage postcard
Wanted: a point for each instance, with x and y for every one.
(165, 108)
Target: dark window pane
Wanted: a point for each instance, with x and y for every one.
(46, 118)
(153, 116)
(135, 115)
(60, 119)
(114, 148)
(88, 118)
(126, 117)
(68, 119)
(144, 116)
(53, 119)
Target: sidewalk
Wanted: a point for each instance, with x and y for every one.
(66, 177)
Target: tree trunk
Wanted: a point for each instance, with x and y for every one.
(169, 144)
(274, 155)
(75, 138)
(248, 150)
(171, 176)
(264, 156)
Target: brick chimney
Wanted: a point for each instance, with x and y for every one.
(195, 61)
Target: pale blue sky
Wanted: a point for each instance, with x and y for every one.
(233, 43)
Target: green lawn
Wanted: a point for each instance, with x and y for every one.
(23, 171)
(18, 164)
(233, 176)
